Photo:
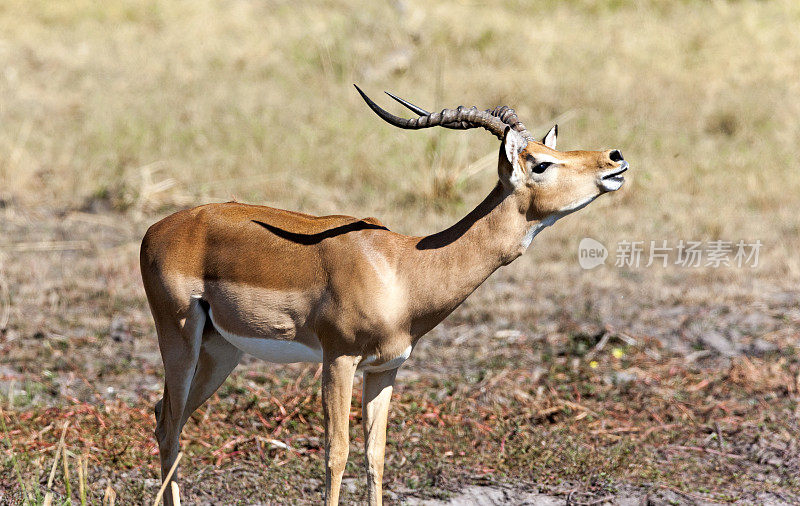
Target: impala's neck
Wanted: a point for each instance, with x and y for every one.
(444, 268)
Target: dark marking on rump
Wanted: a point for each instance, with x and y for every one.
(308, 239)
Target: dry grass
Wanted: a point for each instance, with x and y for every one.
(254, 99)
(116, 113)
(588, 421)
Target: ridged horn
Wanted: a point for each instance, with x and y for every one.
(461, 118)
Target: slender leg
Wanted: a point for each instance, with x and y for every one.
(217, 359)
(337, 392)
(377, 395)
(180, 343)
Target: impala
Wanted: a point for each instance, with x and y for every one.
(227, 279)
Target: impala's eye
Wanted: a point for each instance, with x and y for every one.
(541, 167)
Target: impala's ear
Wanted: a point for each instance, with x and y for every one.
(513, 144)
(549, 140)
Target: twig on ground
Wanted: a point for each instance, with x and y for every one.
(48, 497)
(599, 346)
(67, 484)
(166, 480)
(58, 454)
(109, 497)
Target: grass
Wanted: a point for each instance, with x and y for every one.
(697, 95)
(724, 433)
(116, 114)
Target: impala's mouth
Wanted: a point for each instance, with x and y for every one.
(622, 168)
(613, 180)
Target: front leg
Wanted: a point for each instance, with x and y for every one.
(337, 392)
(377, 395)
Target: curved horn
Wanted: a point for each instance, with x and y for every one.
(407, 104)
(461, 118)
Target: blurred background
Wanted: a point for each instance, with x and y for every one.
(146, 105)
(117, 113)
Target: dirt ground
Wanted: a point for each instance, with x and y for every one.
(588, 387)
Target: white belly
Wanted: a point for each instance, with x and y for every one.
(279, 351)
(282, 351)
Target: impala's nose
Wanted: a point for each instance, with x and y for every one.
(615, 155)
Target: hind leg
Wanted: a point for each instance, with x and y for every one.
(217, 359)
(180, 343)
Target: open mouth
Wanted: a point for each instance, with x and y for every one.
(616, 175)
(614, 180)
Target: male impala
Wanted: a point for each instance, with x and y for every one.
(227, 279)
